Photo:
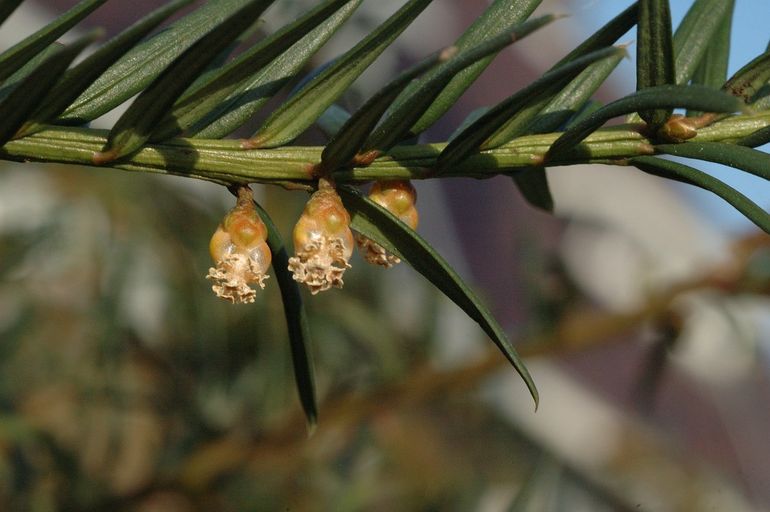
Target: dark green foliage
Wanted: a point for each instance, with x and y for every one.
(498, 16)
(77, 79)
(712, 68)
(296, 321)
(7, 7)
(228, 98)
(686, 174)
(665, 96)
(654, 54)
(702, 41)
(418, 99)
(533, 185)
(22, 100)
(738, 157)
(350, 137)
(377, 223)
(134, 127)
(473, 138)
(12, 59)
(136, 69)
(758, 138)
(186, 85)
(748, 80)
(304, 107)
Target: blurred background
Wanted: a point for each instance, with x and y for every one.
(641, 308)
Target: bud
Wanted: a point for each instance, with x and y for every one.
(239, 249)
(678, 129)
(323, 242)
(399, 198)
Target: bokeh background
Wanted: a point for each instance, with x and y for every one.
(641, 307)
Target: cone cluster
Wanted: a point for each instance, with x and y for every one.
(323, 241)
